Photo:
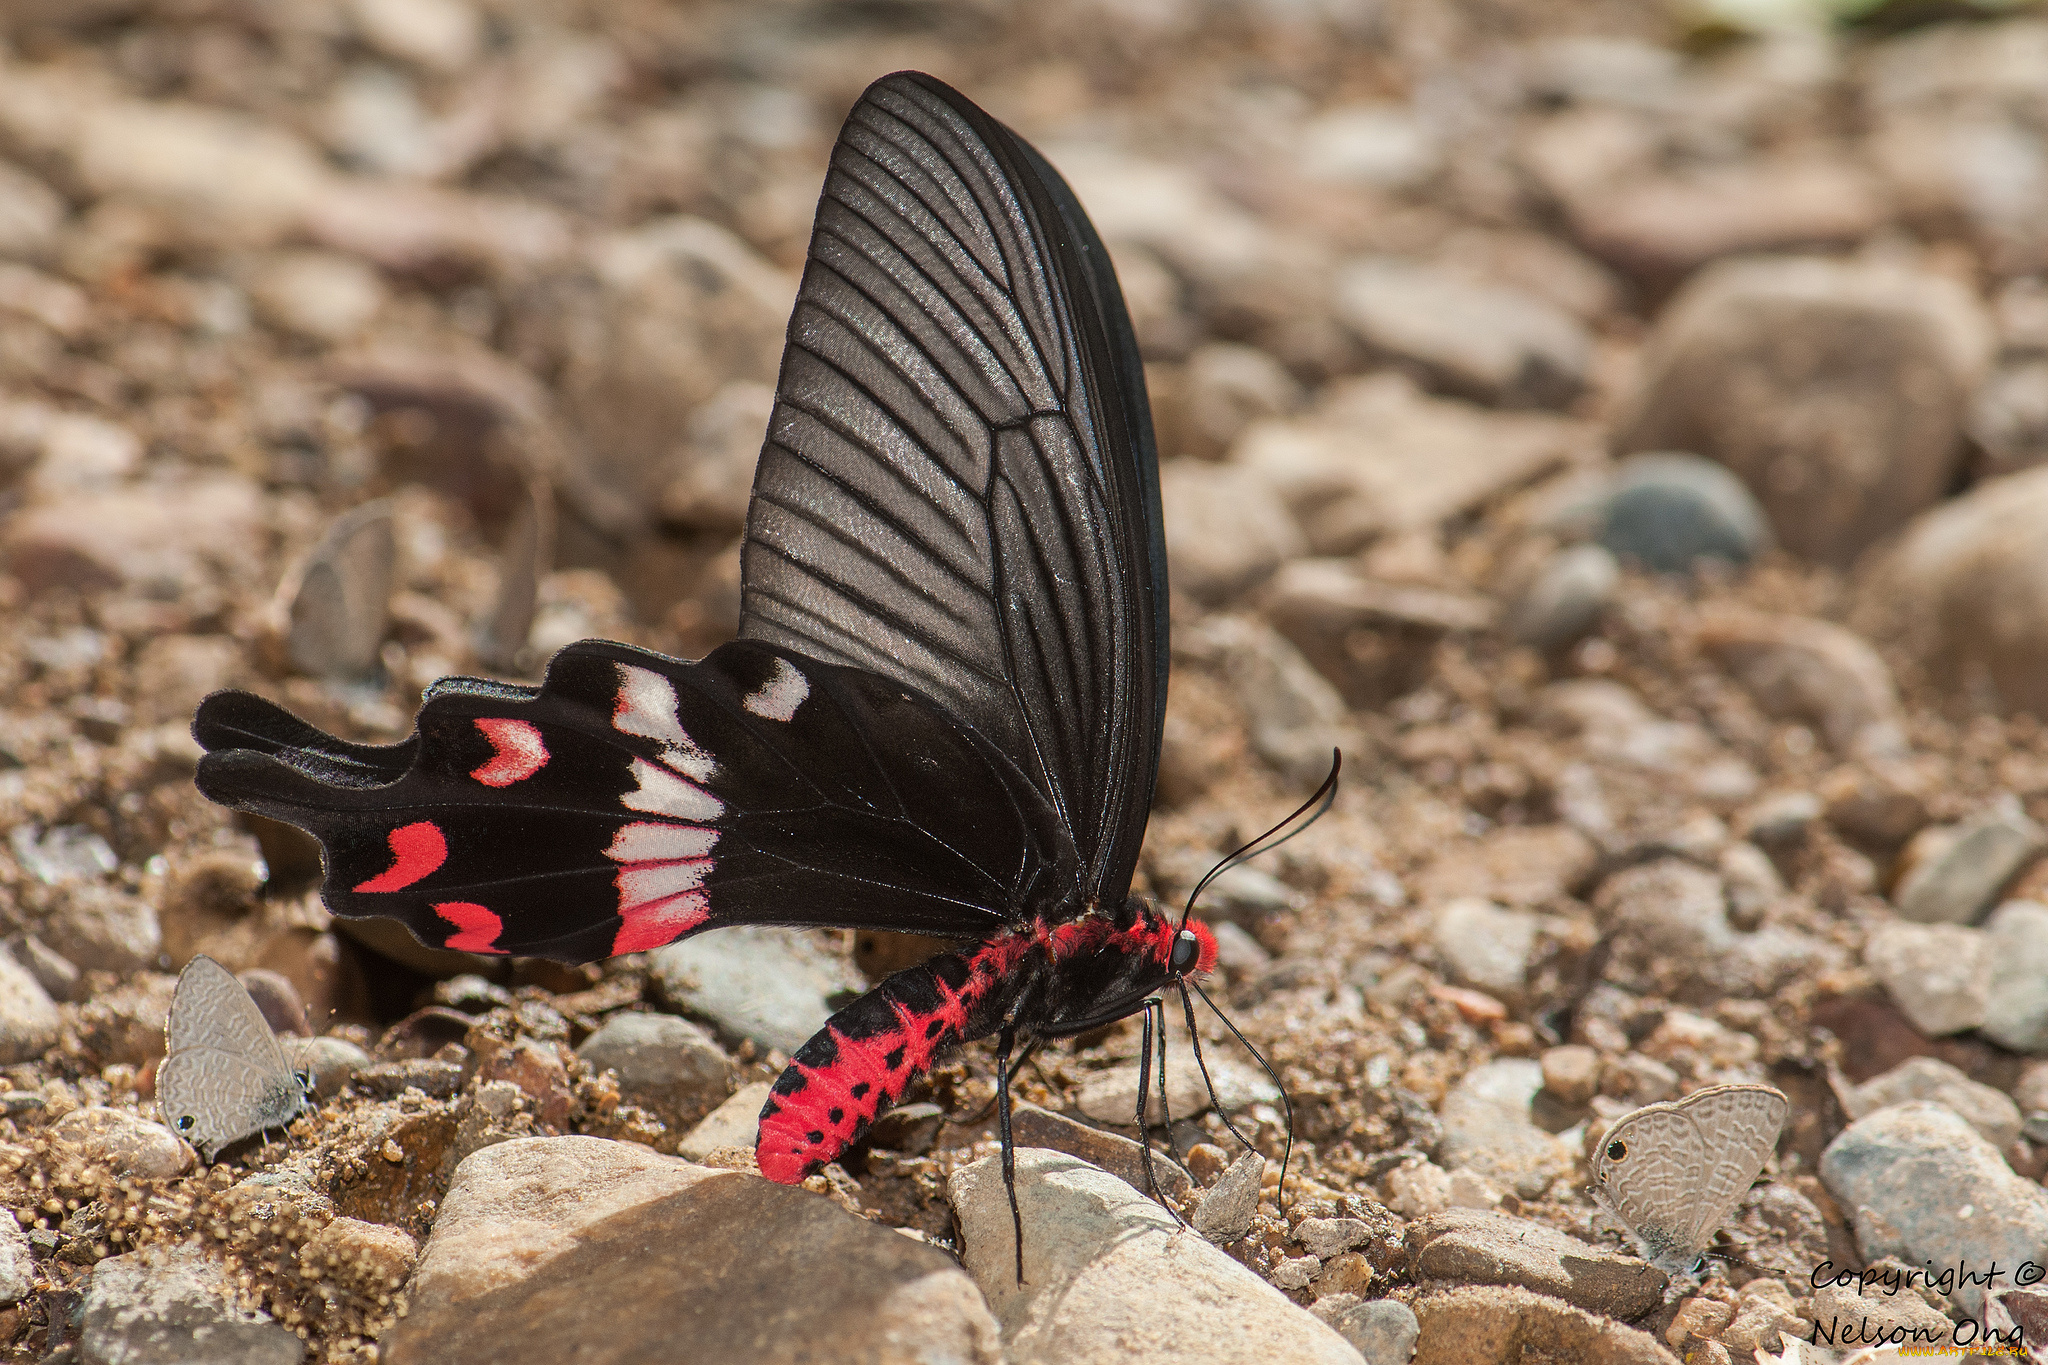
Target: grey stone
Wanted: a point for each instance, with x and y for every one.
(329, 1061)
(1667, 510)
(1564, 600)
(1669, 916)
(17, 1263)
(1919, 1177)
(1965, 592)
(322, 296)
(119, 1141)
(667, 1065)
(1799, 668)
(1237, 952)
(1325, 1237)
(30, 213)
(1226, 528)
(1112, 1096)
(1228, 1205)
(174, 1306)
(736, 1123)
(55, 973)
(1571, 1073)
(1486, 946)
(1244, 895)
(1991, 1112)
(1295, 1272)
(1031, 1126)
(2016, 1011)
(1226, 387)
(1842, 1316)
(1506, 1325)
(769, 985)
(1940, 974)
(1294, 715)
(62, 853)
(102, 928)
(1835, 391)
(432, 1077)
(1383, 1330)
(1487, 1129)
(1959, 880)
(2009, 418)
(1480, 1246)
(1489, 342)
(1109, 1275)
(551, 1249)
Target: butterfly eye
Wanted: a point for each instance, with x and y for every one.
(1616, 1150)
(1187, 949)
(184, 1123)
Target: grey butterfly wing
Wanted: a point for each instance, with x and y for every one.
(338, 613)
(1674, 1172)
(1740, 1126)
(223, 1076)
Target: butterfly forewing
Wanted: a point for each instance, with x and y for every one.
(1673, 1172)
(223, 1076)
(958, 488)
(633, 798)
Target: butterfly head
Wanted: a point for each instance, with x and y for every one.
(1194, 950)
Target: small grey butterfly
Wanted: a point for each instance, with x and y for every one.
(223, 1076)
(1673, 1172)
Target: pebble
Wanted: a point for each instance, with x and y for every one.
(277, 999)
(1031, 1126)
(17, 1263)
(1835, 391)
(1226, 387)
(1244, 895)
(769, 985)
(440, 35)
(1489, 342)
(1799, 668)
(1921, 1184)
(1954, 874)
(432, 1077)
(1991, 1112)
(550, 1249)
(28, 1017)
(156, 540)
(1515, 865)
(669, 1066)
(101, 928)
(1294, 716)
(1226, 1210)
(123, 1143)
(736, 1123)
(1571, 1072)
(57, 974)
(329, 1061)
(1671, 916)
(1112, 1096)
(1764, 1319)
(1487, 1128)
(1383, 1330)
(712, 476)
(370, 1259)
(1109, 1275)
(175, 1306)
(2016, 1010)
(1226, 528)
(1474, 1246)
(1964, 593)
(1506, 1325)
(1237, 952)
(1940, 974)
(319, 295)
(30, 213)
(1563, 602)
(2009, 418)
(1485, 945)
(1841, 1315)
(62, 853)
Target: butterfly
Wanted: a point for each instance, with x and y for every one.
(224, 1075)
(942, 713)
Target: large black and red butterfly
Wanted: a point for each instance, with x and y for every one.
(942, 714)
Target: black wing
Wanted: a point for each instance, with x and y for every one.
(959, 489)
(632, 799)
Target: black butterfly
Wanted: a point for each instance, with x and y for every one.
(942, 714)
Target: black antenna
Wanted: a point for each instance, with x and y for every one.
(1286, 1104)
(1325, 796)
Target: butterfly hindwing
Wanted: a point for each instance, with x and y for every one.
(634, 798)
(959, 488)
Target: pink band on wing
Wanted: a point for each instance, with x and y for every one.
(478, 928)
(521, 752)
(650, 926)
(417, 850)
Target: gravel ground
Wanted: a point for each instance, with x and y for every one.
(1623, 436)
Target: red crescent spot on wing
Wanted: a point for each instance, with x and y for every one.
(416, 851)
(651, 925)
(476, 927)
(521, 752)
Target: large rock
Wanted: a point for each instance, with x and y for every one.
(551, 1249)
(1953, 875)
(1479, 1246)
(102, 928)
(1940, 974)
(1919, 1183)
(1109, 1275)
(2016, 1010)
(1991, 1112)
(1507, 1325)
(1836, 392)
(1965, 590)
(1484, 341)
(175, 1306)
(1799, 668)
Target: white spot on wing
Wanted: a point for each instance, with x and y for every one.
(661, 792)
(647, 707)
(778, 698)
(659, 881)
(652, 843)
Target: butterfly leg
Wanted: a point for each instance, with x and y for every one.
(1154, 1009)
(1004, 1041)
